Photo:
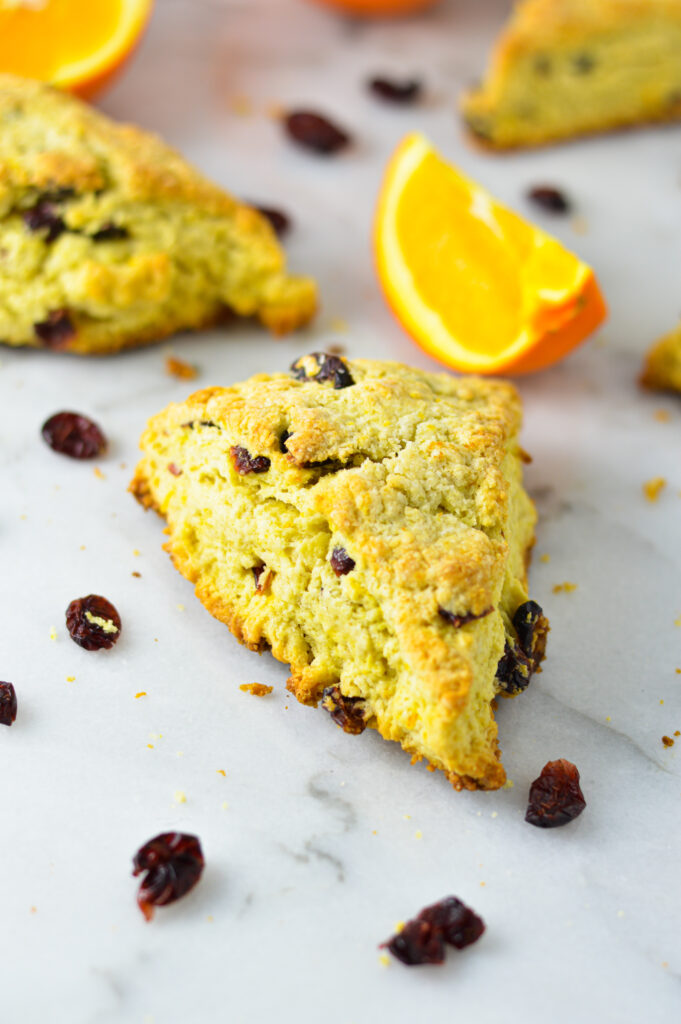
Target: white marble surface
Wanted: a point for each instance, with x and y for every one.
(317, 842)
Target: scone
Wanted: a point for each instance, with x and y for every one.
(662, 367)
(108, 239)
(368, 523)
(563, 68)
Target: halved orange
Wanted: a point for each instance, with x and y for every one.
(77, 45)
(473, 283)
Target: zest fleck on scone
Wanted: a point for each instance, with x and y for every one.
(563, 68)
(662, 367)
(108, 239)
(368, 523)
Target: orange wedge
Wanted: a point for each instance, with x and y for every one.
(78, 45)
(473, 283)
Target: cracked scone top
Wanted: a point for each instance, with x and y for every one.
(368, 523)
(109, 239)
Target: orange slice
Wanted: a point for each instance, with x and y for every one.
(76, 44)
(473, 283)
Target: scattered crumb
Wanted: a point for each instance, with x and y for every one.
(53, 633)
(567, 588)
(407, 817)
(374, 832)
(677, 622)
(665, 964)
(495, 814)
(241, 105)
(257, 689)
(275, 111)
(70, 679)
(668, 741)
(180, 369)
(545, 558)
(384, 960)
(98, 473)
(151, 746)
(418, 834)
(483, 883)
(652, 488)
(608, 718)
(221, 771)
(210, 918)
(138, 575)
(179, 796)
(135, 552)
(678, 671)
(677, 733)
(180, 753)
(661, 415)
(661, 701)
(399, 927)
(509, 784)
(122, 465)
(142, 693)
(34, 910)
(579, 225)
(82, 547)
(180, 607)
(224, 806)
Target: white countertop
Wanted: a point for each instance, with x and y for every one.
(316, 842)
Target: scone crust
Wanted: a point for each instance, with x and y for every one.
(417, 476)
(557, 31)
(171, 273)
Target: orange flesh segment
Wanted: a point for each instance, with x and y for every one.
(37, 41)
(473, 282)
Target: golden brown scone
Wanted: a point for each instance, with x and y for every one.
(563, 68)
(368, 523)
(662, 367)
(108, 239)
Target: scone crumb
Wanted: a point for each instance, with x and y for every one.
(384, 960)
(224, 806)
(564, 588)
(545, 558)
(70, 679)
(142, 693)
(53, 633)
(257, 689)
(608, 718)
(180, 607)
(179, 368)
(668, 741)
(677, 622)
(221, 771)
(509, 784)
(662, 415)
(652, 488)
(418, 834)
(179, 796)
(98, 473)
(137, 575)
(677, 732)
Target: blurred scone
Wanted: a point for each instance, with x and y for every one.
(108, 239)
(568, 67)
(368, 523)
(662, 367)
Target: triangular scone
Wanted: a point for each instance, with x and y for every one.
(662, 367)
(368, 523)
(108, 239)
(563, 68)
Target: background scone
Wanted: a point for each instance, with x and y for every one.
(662, 367)
(368, 522)
(108, 239)
(568, 67)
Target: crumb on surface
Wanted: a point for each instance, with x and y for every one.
(224, 806)
(545, 558)
(339, 325)
(135, 552)
(98, 473)
(509, 784)
(677, 732)
(662, 415)
(418, 834)
(180, 607)
(677, 622)
(179, 796)
(384, 960)
(142, 693)
(221, 771)
(179, 368)
(137, 575)
(53, 633)
(653, 487)
(257, 689)
(564, 588)
(668, 741)
(70, 679)
(608, 718)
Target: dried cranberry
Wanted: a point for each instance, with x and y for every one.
(110, 232)
(173, 862)
(320, 367)
(555, 797)
(514, 670)
(532, 628)
(44, 216)
(407, 91)
(347, 712)
(57, 330)
(550, 199)
(422, 940)
(175, 470)
(8, 704)
(462, 620)
(72, 434)
(417, 943)
(457, 923)
(93, 622)
(341, 563)
(280, 221)
(315, 132)
(245, 463)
